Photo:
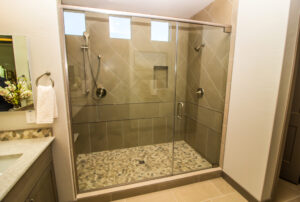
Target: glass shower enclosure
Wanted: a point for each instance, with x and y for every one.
(146, 96)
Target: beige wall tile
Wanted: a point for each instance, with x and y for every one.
(145, 132)
(190, 132)
(213, 147)
(86, 114)
(180, 128)
(166, 109)
(83, 142)
(201, 140)
(131, 132)
(113, 112)
(169, 128)
(115, 134)
(99, 141)
(159, 130)
(144, 110)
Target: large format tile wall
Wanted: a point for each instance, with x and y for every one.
(207, 69)
(223, 12)
(134, 112)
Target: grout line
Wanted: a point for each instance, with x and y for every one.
(152, 130)
(138, 132)
(106, 136)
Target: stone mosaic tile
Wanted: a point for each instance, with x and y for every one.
(122, 166)
(25, 134)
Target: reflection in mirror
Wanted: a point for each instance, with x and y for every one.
(15, 84)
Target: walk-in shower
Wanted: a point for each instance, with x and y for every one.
(162, 112)
(97, 91)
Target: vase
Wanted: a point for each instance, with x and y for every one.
(23, 103)
(16, 107)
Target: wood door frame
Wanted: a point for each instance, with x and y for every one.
(295, 70)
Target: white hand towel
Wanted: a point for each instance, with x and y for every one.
(46, 105)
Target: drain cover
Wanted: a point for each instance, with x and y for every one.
(141, 161)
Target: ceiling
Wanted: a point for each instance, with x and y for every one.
(171, 8)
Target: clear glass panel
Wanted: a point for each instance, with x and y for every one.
(202, 61)
(124, 92)
(127, 135)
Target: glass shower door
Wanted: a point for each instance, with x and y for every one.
(147, 97)
(201, 65)
(126, 135)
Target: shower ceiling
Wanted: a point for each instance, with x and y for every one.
(174, 8)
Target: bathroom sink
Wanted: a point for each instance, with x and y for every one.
(7, 160)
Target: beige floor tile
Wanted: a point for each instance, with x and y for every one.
(285, 192)
(215, 190)
(222, 185)
(232, 197)
(196, 192)
(289, 185)
(161, 196)
(122, 200)
(294, 200)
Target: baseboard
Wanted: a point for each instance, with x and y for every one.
(239, 188)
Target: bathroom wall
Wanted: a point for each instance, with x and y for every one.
(219, 11)
(38, 21)
(134, 112)
(259, 52)
(281, 115)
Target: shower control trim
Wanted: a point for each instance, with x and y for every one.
(180, 106)
(200, 92)
(100, 92)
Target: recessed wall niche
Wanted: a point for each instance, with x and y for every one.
(160, 77)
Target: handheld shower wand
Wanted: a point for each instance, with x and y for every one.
(86, 37)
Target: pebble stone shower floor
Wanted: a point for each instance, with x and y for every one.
(122, 166)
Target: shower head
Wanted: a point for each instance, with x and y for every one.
(86, 38)
(197, 48)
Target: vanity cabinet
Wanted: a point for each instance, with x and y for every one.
(37, 184)
(44, 190)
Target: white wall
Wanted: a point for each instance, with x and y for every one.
(259, 50)
(283, 98)
(38, 21)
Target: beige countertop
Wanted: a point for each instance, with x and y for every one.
(30, 149)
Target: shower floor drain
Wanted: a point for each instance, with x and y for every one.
(141, 161)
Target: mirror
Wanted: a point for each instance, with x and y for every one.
(15, 82)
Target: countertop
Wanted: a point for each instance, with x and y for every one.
(31, 149)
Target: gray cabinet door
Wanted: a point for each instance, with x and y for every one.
(44, 190)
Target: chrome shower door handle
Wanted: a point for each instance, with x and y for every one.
(180, 110)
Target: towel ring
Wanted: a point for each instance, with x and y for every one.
(45, 74)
